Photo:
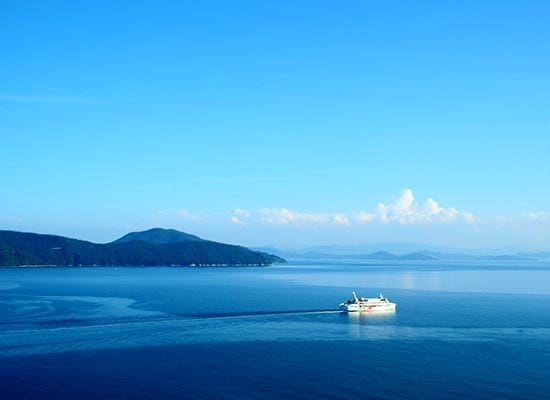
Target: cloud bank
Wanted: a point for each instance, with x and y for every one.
(403, 210)
(539, 216)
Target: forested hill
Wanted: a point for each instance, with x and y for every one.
(158, 235)
(150, 248)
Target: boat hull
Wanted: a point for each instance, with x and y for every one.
(372, 308)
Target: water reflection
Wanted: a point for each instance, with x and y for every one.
(370, 317)
(368, 324)
(516, 281)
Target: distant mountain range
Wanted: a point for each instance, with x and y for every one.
(403, 248)
(153, 247)
(361, 253)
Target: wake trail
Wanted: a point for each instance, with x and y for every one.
(256, 314)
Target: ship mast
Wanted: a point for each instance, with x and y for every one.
(355, 297)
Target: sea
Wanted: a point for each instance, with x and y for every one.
(462, 330)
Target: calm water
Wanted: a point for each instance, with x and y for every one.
(460, 330)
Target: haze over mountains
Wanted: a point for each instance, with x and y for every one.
(403, 251)
(149, 248)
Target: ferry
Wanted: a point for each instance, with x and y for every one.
(363, 304)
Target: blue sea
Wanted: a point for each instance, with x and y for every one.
(477, 330)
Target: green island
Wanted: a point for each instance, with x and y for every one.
(154, 247)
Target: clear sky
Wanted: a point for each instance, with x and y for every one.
(278, 123)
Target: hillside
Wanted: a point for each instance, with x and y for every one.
(18, 248)
(158, 235)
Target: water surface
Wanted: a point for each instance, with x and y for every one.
(480, 330)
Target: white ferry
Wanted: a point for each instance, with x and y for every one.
(363, 304)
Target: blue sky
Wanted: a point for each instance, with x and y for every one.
(280, 123)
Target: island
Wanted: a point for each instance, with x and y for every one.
(154, 247)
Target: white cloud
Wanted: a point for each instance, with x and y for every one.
(340, 219)
(365, 216)
(404, 211)
(432, 207)
(382, 212)
(237, 221)
(404, 203)
(282, 216)
(470, 217)
(538, 215)
(242, 212)
(503, 219)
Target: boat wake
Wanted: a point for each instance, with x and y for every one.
(241, 327)
(256, 314)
